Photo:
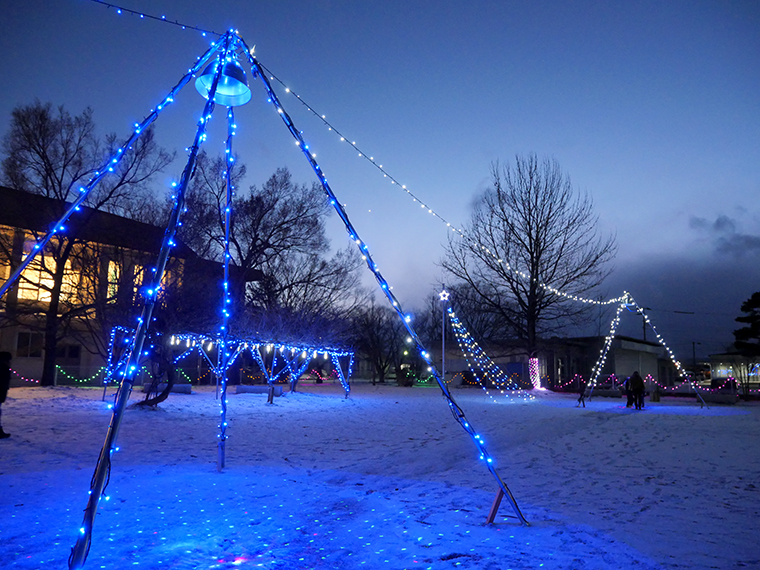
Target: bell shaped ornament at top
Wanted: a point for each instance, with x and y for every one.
(232, 89)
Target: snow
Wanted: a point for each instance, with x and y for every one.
(384, 479)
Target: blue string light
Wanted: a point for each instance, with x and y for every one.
(79, 553)
(292, 358)
(223, 356)
(102, 470)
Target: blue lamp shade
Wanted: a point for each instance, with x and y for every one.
(232, 90)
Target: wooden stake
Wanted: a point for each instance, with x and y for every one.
(495, 506)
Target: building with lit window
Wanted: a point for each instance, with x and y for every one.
(92, 275)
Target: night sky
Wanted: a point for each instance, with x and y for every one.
(652, 108)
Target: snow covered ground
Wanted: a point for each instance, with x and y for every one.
(385, 479)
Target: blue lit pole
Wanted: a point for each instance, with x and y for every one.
(456, 411)
(223, 358)
(102, 469)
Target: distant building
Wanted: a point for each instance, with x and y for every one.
(566, 358)
(732, 365)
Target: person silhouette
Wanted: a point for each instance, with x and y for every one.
(637, 387)
(582, 395)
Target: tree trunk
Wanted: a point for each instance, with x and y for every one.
(171, 375)
(52, 320)
(51, 336)
(50, 349)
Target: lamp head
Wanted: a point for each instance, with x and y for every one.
(232, 89)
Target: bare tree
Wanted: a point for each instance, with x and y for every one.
(49, 152)
(530, 235)
(288, 286)
(379, 337)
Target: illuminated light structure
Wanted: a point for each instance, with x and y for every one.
(224, 49)
(284, 358)
(294, 360)
(482, 367)
(533, 371)
(225, 52)
(456, 411)
(631, 305)
(533, 366)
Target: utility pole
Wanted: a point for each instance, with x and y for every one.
(694, 354)
(644, 322)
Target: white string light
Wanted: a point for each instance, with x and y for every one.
(483, 369)
(430, 210)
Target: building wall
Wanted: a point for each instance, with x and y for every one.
(627, 361)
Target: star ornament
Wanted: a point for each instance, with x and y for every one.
(444, 295)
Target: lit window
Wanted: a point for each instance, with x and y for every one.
(114, 278)
(37, 281)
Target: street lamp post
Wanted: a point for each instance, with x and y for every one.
(444, 296)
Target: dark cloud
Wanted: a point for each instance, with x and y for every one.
(697, 223)
(724, 224)
(738, 245)
(689, 301)
(725, 238)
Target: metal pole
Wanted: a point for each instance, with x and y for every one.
(443, 331)
(103, 467)
(224, 353)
